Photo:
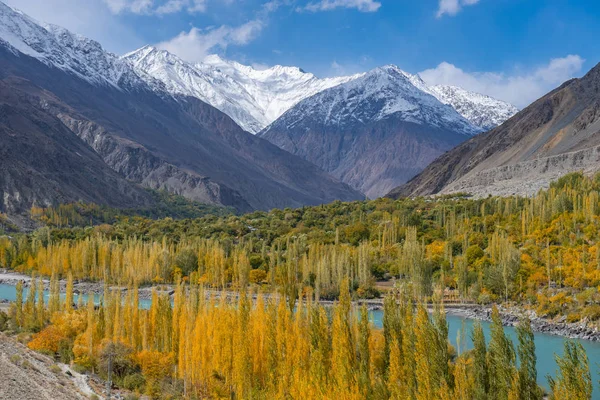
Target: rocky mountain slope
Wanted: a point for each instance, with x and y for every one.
(42, 162)
(112, 115)
(28, 375)
(252, 98)
(557, 134)
(373, 132)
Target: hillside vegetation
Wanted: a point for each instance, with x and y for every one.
(537, 252)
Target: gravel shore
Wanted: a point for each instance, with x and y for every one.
(511, 315)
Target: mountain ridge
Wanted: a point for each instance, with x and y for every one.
(128, 121)
(253, 98)
(373, 132)
(256, 98)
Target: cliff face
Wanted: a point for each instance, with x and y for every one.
(42, 162)
(557, 134)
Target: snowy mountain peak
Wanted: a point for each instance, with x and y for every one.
(481, 110)
(276, 71)
(254, 98)
(374, 96)
(62, 49)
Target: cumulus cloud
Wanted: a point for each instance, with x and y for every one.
(452, 7)
(328, 5)
(196, 44)
(518, 88)
(160, 7)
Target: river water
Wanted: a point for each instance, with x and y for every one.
(546, 345)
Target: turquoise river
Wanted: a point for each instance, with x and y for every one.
(546, 345)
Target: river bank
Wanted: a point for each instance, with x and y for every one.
(510, 314)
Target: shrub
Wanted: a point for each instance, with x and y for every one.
(484, 298)
(122, 363)
(134, 381)
(55, 369)
(3, 321)
(591, 312)
(257, 275)
(80, 369)
(65, 351)
(47, 341)
(573, 317)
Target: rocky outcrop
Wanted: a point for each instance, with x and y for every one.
(43, 163)
(139, 165)
(29, 375)
(510, 180)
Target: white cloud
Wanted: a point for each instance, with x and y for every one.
(519, 88)
(452, 7)
(170, 7)
(161, 7)
(328, 5)
(198, 6)
(196, 44)
(134, 6)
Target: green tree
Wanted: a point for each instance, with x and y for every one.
(528, 388)
(573, 380)
(480, 366)
(501, 359)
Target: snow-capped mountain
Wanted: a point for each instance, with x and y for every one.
(373, 132)
(256, 98)
(376, 95)
(59, 48)
(481, 110)
(81, 124)
(253, 98)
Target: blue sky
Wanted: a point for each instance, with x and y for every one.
(515, 50)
